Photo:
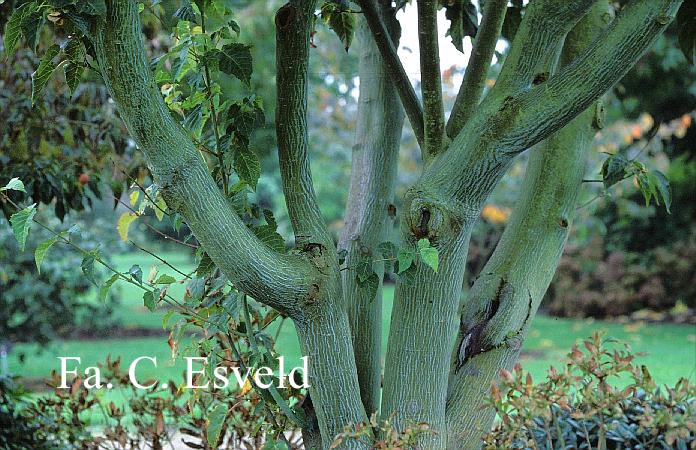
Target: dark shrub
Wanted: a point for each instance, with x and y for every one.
(589, 283)
(40, 307)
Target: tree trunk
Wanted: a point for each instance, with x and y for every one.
(504, 299)
(338, 320)
(370, 212)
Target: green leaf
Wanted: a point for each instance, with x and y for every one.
(104, 289)
(235, 59)
(150, 299)
(387, 250)
(166, 318)
(44, 72)
(216, 420)
(41, 250)
(160, 207)
(30, 27)
(165, 279)
(87, 265)
(15, 184)
(136, 273)
(186, 13)
(686, 21)
(13, 27)
(371, 285)
(423, 243)
(92, 7)
(405, 259)
(123, 224)
(646, 187)
(341, 20)
(364, 269)
(193, 120)
(614, 170)
(463, 21)
(663, 187)
(205, 267)
(430, 256)
(21, 223)
(268, 235)
(270, 219)
(274, 445)
(247, 166)
(75, 52)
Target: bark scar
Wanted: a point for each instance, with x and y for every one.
(473, 344)
(513, 339)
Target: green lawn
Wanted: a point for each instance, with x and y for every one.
(670, 349)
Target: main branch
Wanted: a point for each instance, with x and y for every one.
(538, 42)
(510, 122)
(503, 301)
(281, 281)
(547, 107)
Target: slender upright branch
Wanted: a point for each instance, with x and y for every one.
(281, 281)
(396, 71)
(431, 83)
(474, 81)
(293, 27)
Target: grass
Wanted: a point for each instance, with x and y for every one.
(670, 349)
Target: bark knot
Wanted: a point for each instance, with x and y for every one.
(425, 219)
(540, 78)
(285, 16)
(475, 339)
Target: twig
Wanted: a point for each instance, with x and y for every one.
(160, 259)
(213, 112)
(135, 182)
(164, 235)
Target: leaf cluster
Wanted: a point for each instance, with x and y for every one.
(582, 405)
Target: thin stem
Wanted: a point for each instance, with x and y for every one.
(251, 337)
(264, 395)
(165, 236)
(213, 112)
(474, 81)
(159, 258)
(431, 83)
(280, 327)
(146, 287)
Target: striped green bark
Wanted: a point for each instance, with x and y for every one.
(337, 323)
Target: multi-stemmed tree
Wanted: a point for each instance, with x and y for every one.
(444, 348)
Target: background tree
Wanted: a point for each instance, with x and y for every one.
(443, 349)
